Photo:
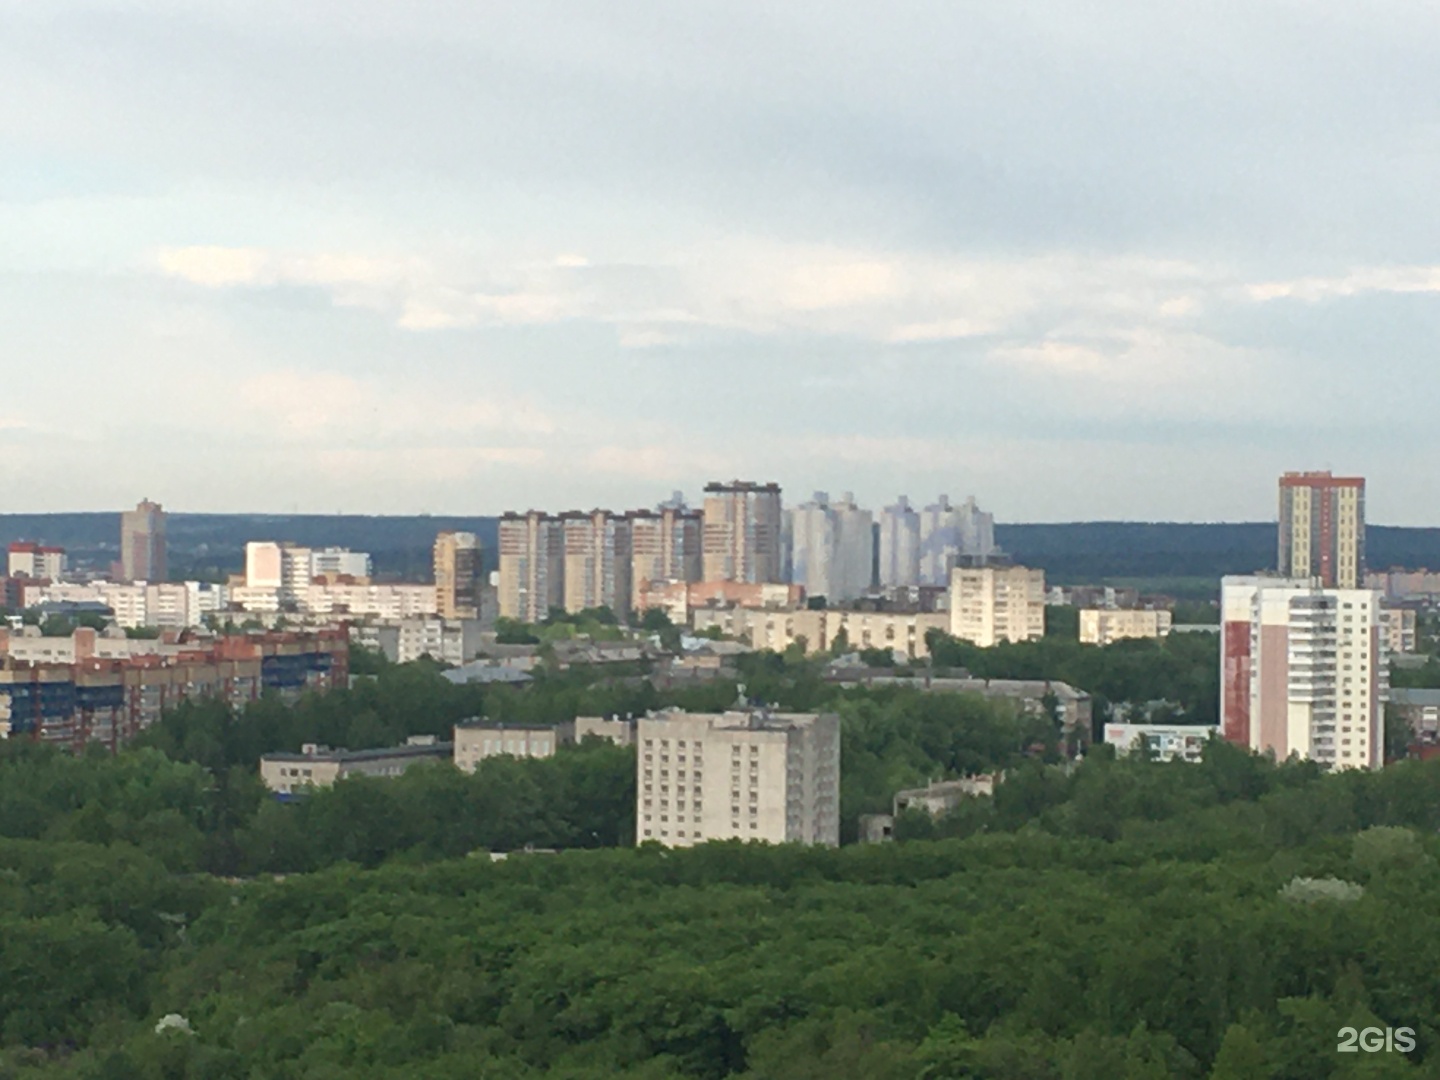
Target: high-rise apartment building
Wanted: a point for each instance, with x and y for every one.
(597, 561)
(899, 545)
(142, 543)
(742, 532)
(457, 575)
(991, 604)
(947, 532)
(832, 546)
(1322, 528)
(664, 546)
(532, 566)
(747, 775)
(1303, 670)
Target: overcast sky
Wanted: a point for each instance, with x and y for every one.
(1080, 260)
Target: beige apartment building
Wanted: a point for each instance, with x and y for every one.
(597, 561)
(991, 604)
(476, 740)
(1101, 626)
(456, 559)
(741, 540)
(142, 543)
(1400, 629)
(665, 547)
(747, 775)
(818, 631)
(532, 566)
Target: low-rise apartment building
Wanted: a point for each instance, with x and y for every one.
(476, 740)
(1101, 626)
(321, 767)
(740, 775)
(818, 631)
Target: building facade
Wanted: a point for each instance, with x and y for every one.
(1303, 671)
(742, 527)
(899, 545)
(832, 547)
(333, 563)
(457, 575)
(597, 564)
(532, 566)
(1161, 742)
(817, 631)
(664, 547)
(320, 767)
(142, 543)
(1322, 528)
(476, 740)
(30, 560)
(991, 604)
(1101, 626)
(947, 532)
(744, 775)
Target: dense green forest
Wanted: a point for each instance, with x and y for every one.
(1115, 918)
(1122, 919)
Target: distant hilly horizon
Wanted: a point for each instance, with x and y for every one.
(1070, 552)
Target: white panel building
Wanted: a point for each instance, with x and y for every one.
(832, 547)
(899, 544)
(746, 775)
(947, 532)
(1303, 670)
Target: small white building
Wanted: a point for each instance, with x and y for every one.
(1162, 742)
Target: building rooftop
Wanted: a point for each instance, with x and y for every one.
(342, 756)
(480, 723)
(481, 671)
(1414, 696)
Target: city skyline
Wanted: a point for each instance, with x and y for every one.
(433, 257)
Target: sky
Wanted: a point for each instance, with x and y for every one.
(1083, 261)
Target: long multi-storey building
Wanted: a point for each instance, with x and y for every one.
(947, 532)
(664, 548)
(818, 631)
(1101, 626)
(1303, 670)
(899, 545)
(596, 571)
(747, 775)
(142, 543)
(990, 604)
(457, 575)
(175, 605)
(1322, 528)
(832, 547)
(532, 566)
(94, 697)
(742, 532)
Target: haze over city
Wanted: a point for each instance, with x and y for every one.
(460, 258)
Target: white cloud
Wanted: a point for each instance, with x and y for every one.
(1382, 279)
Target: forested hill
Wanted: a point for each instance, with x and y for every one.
(1070, 553)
